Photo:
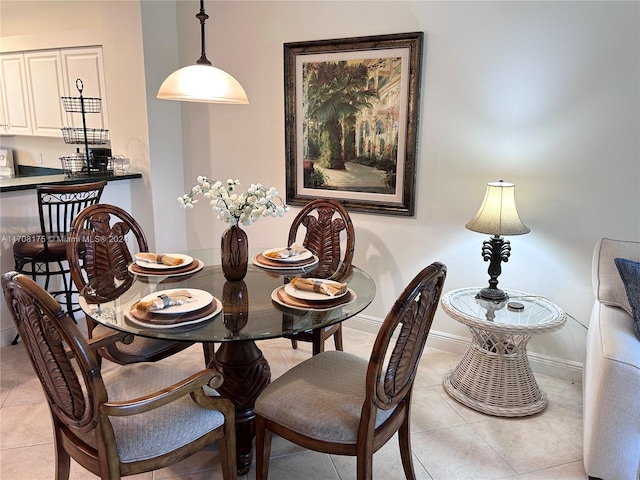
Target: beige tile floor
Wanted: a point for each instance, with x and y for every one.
(449, 440)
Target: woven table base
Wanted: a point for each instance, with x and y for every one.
(500, 384)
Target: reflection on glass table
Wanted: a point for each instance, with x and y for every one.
(240, 313)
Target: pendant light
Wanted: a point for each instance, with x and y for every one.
(202, 82)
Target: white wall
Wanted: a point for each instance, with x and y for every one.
(544, 94)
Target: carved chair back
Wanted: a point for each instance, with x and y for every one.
(393, 364)
(328, 228)
(98, 251)
(49, 334)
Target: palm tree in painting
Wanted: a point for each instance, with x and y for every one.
(336, 92)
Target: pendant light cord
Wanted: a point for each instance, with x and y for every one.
(202, 17)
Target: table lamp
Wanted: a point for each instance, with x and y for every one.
(497, 216)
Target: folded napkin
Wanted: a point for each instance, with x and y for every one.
(319, 286)
(159, 258)
(291, 251)
(163, 301)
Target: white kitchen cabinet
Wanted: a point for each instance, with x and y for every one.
(31, 84)
(85, 63)
(15, 95)
(3, 120)
(45, 86)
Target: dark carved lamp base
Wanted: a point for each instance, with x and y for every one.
(492, 294)
(495, 250)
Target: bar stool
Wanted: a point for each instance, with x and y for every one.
(44, 254)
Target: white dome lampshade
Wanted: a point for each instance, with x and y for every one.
(202, 82)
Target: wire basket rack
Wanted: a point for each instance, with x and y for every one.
(76, 165)
(94, 136)
(81, 104)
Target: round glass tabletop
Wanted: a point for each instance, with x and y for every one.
(520, 313)
(247, 309)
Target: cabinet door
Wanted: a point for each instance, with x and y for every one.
(45, 84)
(15, 95)
(85, 64)
(4, 126)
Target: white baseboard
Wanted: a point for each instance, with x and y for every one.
(7, 335)
(540, 363)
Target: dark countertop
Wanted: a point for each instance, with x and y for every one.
(30, 177)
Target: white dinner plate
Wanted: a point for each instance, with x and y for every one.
(165, 273)
(286, 267)
(195, 321)
(201, 299)
(161, 266)
(294, 258)
(274, 297)
(308, 295)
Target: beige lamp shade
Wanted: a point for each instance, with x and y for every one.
(202, 83)
(498, 214)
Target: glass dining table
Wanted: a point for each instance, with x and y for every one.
(240, 313)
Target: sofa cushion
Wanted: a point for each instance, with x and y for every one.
(607, 284)
(630, 274)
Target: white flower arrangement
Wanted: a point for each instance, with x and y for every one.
(234, 208)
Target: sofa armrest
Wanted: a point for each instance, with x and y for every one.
(611, 393)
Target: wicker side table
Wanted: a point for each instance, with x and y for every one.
(494, 376)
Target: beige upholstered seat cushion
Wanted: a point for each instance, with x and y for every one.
(162, 430)
(321, 398)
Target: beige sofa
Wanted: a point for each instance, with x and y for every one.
(611, 380)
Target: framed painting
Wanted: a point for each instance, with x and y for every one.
(351, 121)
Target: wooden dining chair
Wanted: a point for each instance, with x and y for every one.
(133, 419)
(99, 252)
(43, 254)
(326, 230)
(338, 403)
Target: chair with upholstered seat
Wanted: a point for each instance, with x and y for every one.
(98, 250)
(338, 403)
(43, 254)
(329, 234)
(132, 419)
